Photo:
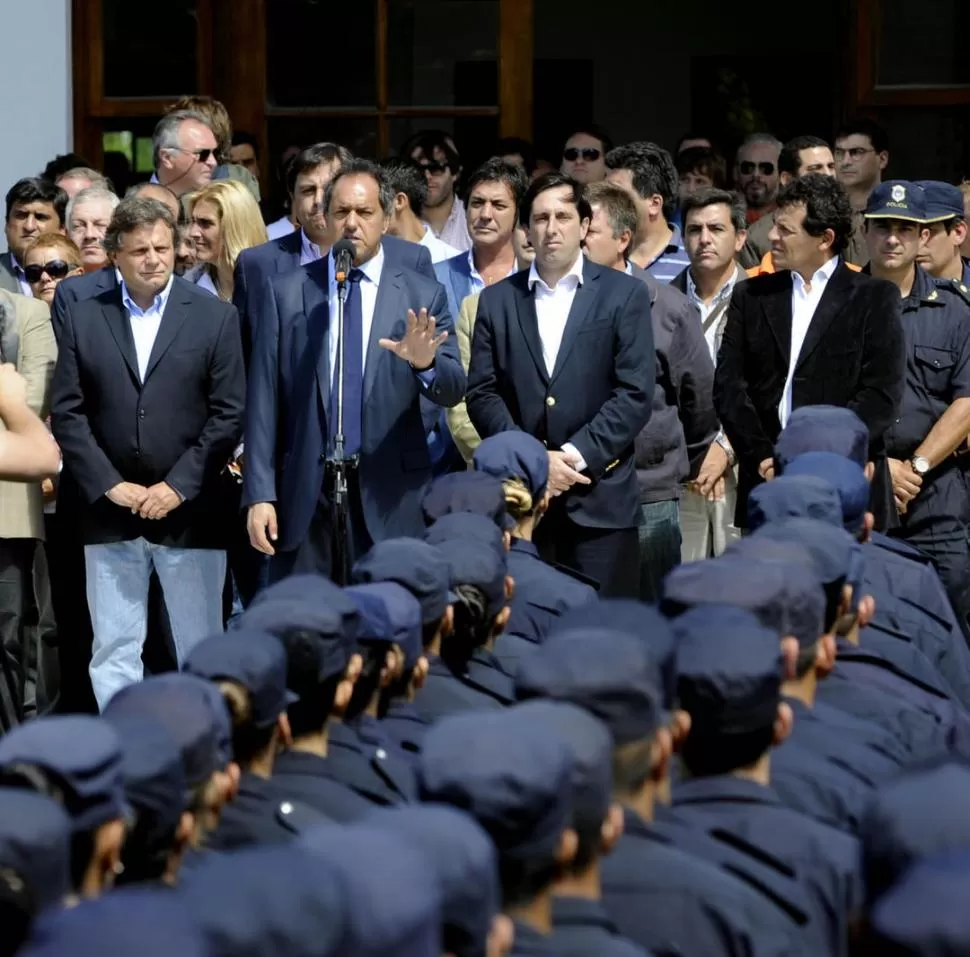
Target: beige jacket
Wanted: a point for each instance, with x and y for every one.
(459, 424)
(27, 341)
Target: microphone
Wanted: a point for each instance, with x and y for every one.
(344, 252)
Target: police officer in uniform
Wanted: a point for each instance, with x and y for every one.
(542, 593)
(940, 253)
(249, 668)
(933, 421)
(729, 678)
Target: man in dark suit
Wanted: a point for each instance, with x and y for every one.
(147, 407)
(397, 348)
(814, 332)
(307, 179)
(565, 352)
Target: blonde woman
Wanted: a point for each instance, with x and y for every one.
(224, 219)
(50, 258)
(543, 594)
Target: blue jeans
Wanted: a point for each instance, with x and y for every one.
(117, 588)
(660, 541)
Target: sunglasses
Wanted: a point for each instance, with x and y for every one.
(856, 153)
(201, 156)
(435, 167)
(588, 153)
(747, 168)
(56, 269)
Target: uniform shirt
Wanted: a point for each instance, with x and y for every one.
(824, 860)
(670, 902)
(446, 693)
(936, 323)
(301, 776)
(529, 942)
(671, 261)
(404, 725)
(484, 672)
(374, 773)
(145, 323)
(582, 927)
(804, 302)
(543, 594)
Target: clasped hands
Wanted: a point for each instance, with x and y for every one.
(154, 502)
(420, 342)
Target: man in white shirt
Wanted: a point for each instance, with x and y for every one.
(815, 332)
(147, 408)
(410, 187)
(565, 352)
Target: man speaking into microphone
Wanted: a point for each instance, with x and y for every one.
(397, 346)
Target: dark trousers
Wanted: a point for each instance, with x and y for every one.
(16, 602)
(315, 554)
(610, 556)
(660, 540)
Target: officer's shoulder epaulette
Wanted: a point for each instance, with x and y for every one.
(948, 288)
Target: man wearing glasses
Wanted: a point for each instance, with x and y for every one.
(861, 154)
(584, 155)
(756, 173)
(184, 151)
(443, 211)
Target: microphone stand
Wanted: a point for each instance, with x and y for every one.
(340, 556)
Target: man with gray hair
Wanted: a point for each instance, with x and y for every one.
(756, 173)
(147, 408)
(184, 151)
(88, 215)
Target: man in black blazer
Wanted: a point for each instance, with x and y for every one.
(814, 332)
(147, 407)
(565, 352)
(307, 178)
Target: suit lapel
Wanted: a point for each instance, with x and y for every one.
(525, 314)
(390, 307)
(837, 291)
(117, 321)
(778, 313)
(578, 313)
(173, 317)
(316, 308)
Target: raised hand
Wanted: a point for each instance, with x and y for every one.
(420, 342)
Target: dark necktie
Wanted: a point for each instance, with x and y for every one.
(353, 369)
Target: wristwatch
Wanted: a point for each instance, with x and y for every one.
(919, 464)
(722, 440)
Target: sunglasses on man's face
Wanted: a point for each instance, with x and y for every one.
(747, 168)
(56, 269)
(201, 156)
(588, 153)
(435, 167)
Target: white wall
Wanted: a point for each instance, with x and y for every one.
(35, 77)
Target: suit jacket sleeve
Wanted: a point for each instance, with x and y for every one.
(486, 408)
(615, 427)
(448, 387)
(240, 293)
(37, 356)
(83, 457)
(227, 396)
(737, 412)
(460, 425)
(262, 406)
(692, 375)
(883, 375)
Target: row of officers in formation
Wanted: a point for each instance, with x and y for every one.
(466, 752)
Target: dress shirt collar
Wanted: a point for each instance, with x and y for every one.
(476, 276)
(822, 276)
(573, 278)
(723, 293)
(627, 268)
(309, 252)
(372, 269)
(158, 304)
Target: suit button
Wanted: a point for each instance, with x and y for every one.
(550, 400)
(381, 754)
(141, 413)
(137, 454)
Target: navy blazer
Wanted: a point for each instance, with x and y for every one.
(598, 396)
(455, 274)
(289, 394)
(257, 265)
(178, 426)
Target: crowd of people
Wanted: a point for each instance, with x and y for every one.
(473, 562)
